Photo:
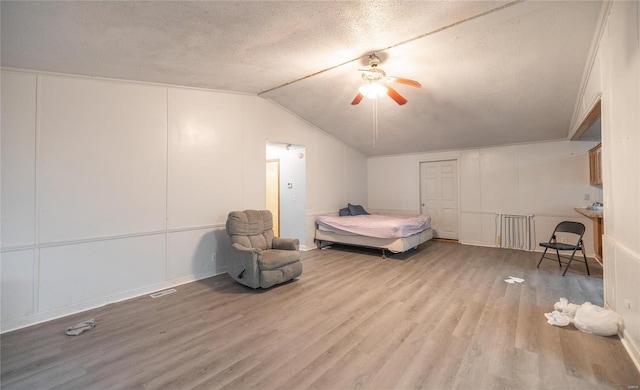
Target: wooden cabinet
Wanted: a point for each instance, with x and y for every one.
(595, 166)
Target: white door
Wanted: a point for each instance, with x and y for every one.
(439, 196)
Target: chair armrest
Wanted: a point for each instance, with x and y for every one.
(246, 251)
(243, 265)
(248, 257)
(291, 244)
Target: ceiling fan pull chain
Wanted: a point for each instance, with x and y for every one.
(375, 120)
(376, 114)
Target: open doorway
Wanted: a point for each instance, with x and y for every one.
(590, 129)
(286, 187)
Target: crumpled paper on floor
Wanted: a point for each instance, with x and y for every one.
(563, 313)
(558, 319)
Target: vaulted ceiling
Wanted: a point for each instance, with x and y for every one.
(492, 72)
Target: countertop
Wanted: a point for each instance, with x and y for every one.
(589, 212)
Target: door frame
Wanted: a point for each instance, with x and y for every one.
(419, 184)
(277, 214)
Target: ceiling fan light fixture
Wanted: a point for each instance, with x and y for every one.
(372, 90)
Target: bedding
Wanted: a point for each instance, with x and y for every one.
(396, 233)
(356, 209)
(379, 226)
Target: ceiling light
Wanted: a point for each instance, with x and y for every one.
(372, 90)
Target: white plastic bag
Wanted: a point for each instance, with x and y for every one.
(566, 308)
(587, 317)
(597, 320)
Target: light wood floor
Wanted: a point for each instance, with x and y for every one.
(440, 317)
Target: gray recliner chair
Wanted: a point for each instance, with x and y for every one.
(258, 258)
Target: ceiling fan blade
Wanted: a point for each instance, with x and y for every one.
(357, 99)
(400, 80)
(393, 94)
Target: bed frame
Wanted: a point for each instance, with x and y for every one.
(395, 245)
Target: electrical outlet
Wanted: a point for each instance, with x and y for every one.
(214, 257)
(627, 304)
(587, 196)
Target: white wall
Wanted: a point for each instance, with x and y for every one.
(546, 179)
(620, 72)
(332, 182)
(114, 189)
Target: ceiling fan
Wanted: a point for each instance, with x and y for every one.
(376, 78)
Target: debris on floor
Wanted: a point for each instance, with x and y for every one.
(587, 317)
(78, 328)
(513, 279)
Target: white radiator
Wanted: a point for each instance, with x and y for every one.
(515, 231)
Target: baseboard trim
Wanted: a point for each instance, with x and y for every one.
(38, 318)
(632, 349)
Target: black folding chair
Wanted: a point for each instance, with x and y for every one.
(576, 229)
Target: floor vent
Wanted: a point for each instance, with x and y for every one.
(163, 293)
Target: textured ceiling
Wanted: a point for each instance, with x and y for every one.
(492, 72)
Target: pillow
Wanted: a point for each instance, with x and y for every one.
(356, 209)
(344, 212)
